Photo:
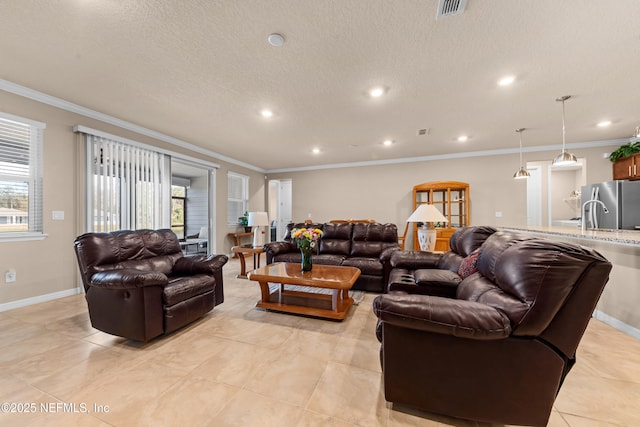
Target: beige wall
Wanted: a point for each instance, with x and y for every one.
(48, 266)
(384, 192)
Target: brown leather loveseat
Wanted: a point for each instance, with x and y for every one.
(498, 351)
(367, 246)
(138, 284)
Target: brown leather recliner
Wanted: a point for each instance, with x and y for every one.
(138, 284)
(501, 349)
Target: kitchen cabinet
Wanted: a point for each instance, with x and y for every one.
(627, 168)
(452, 200)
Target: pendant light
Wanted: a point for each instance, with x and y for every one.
(522, 173)
(565, 158)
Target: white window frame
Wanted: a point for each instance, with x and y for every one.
(243, 198)
(34, 180)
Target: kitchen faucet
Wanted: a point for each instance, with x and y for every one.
(584, 205)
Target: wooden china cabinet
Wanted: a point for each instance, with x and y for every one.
(452, 200)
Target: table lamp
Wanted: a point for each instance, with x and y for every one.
(257, 220)
(426, 213)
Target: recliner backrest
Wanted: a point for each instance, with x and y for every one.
(369, 240)
(463, 242)
(147, 250)
(336, 238)
(532, 280)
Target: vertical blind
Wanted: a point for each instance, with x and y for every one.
(126, 186)
(21, 174)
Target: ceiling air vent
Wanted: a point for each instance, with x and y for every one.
(450, 8)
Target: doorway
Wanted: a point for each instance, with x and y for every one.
(280, 207)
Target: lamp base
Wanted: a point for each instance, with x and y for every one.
(427, 238)
(258, 240)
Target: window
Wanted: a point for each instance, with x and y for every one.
(20, 177)
(129, 185)
(238, 198)
(178, 210)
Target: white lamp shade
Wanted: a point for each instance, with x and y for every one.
(427, 213)
(258, 219)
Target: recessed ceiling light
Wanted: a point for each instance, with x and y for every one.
(506, 80)
(463, 138)
(276, 39)
(316, 151)
(376, 92)
(266, 113)
(604, 123)
(387, 142)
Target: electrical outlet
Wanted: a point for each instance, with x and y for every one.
(498, 214)
(10, 276)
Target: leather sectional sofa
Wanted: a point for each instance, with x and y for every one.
(367, 246)
(499, 349)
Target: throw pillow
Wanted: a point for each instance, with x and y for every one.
(469, 265)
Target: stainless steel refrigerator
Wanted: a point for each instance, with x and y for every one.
(622, 199)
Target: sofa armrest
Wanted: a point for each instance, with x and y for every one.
(199, 264)
(415, 260)
(128, 278)
(459, 318)
(386, 254)
(276, 248)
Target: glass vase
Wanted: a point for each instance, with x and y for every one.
(307, 259)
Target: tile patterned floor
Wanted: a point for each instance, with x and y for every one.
(242, 366)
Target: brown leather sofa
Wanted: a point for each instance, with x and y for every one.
(437, 274)
(367, 246)
(499, 351)
(138, 284)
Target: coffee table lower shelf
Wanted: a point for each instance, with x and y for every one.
(333, 306)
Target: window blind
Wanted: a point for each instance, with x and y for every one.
(127, 186)
(20, 175)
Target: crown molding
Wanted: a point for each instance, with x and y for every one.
(35, 95)
(486, 153)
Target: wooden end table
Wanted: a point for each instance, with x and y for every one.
(237, 238)
(333, 306)
(244, 251)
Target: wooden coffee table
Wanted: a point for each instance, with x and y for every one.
(329, 306)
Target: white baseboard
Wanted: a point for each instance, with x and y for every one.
(618, 324)
(40, 298)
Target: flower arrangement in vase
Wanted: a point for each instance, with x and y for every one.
(306, 240)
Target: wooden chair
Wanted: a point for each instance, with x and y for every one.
(402, 239)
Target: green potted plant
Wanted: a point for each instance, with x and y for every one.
(244, 221)
(625, 150)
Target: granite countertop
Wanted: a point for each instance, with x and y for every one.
(621, 237)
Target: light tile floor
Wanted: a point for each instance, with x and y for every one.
(242, 366)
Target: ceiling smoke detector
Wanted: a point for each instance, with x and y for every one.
(450, 8)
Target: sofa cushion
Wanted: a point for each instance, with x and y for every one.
(336, 239)
(469, 265)
(182, 288)
(369, 240)
(328, 259)
(425, 277)
(371, 266)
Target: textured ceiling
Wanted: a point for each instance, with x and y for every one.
(201, 71)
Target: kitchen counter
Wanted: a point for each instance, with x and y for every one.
(620, 237)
